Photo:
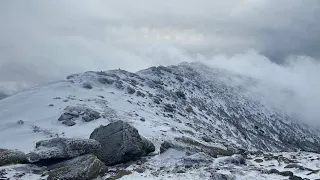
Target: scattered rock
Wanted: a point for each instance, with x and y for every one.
(51, 105)
(130, 90)
(20, 122)
(57, 98)
(286, 173)
(258, 160)
(141, 94)
(218, 176)
(181, 95)
(120, 143)
(157, 100)
(91, 115)
(206, 139)
(106, 81)
(102, 97)
(87, 85)
(80, 168)
(169, 108)
(62, 148)
(69, 122)
(181, 171)
(295, 178)
(210, 150)
(236, 160)
(119, 174)
(67, 116)
(8, 156)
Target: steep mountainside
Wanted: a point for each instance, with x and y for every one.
(189, 101)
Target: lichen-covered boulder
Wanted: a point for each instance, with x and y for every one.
(8, 156)
(120, 143)
(80, 168)
(62, 148)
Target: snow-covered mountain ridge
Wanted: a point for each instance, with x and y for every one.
(188, 102)
(189, 99)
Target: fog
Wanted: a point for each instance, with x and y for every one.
(274, 41)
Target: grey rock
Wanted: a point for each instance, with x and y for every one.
(218, 176)
(120, 143)
(91, 115)
(20, 122)
(141, 94)
(87, 85)
(8, 156)
(67, 116)
(62, 148)
(80, 168)
(142, 119)
(69, 122)
(130, 90)
(105, 81)
(206, 139)
(235, 159)
(181, 95)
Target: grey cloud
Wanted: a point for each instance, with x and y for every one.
(59, 37)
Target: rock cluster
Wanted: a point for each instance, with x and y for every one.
(82, 159)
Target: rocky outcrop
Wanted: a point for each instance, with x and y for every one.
(81, 168)
(72, 113)
(8, 156)
(120, 143)
(62, 148)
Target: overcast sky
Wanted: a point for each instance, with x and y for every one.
(46, 40)
(276, 41)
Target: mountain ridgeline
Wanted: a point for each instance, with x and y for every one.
(210, 102)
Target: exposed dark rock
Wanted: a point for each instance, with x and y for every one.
(286, 173)
(199, 147)
(236, 159)
(69, 122)
(87, 85)
(67, 116)
(189, 109)
(295, 178)
(258, 160)
(20, 122)
(106, 81)
(141, 94)
(130, 90)
(179, 78)
(181, 95)
(206, 139)
(157, 100)
(62, 148)
(80, 168)
(169, 108)
(90, 115)
(142, 119)
(8, 156)
(120, 143)
(218, 176)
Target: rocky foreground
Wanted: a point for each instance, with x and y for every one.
(118, 151)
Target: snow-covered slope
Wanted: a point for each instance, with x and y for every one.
(189, 100)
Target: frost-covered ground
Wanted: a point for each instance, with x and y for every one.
(165, 103)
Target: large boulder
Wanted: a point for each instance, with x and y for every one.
(8, 156)
(62, 148)
(120, 143)
(80, 168)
